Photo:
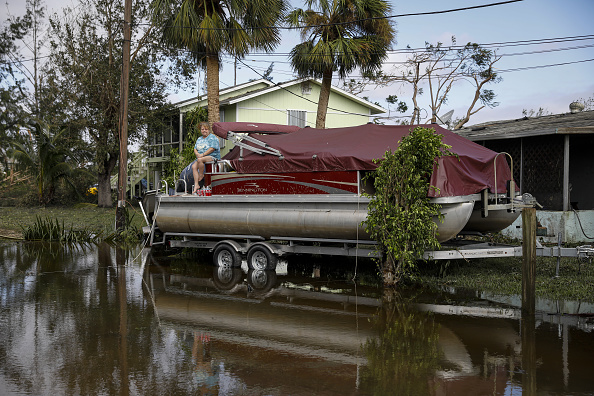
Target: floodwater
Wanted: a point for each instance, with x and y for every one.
(96, 320)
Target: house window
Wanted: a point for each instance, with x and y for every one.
(297, 117)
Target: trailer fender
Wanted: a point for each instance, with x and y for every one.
(262, 256)
(239, 248)
(271, 248)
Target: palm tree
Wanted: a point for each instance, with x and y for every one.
(340, 35)
(210, 28)
(42, 156)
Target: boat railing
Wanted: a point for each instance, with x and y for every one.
(511, 193)
(524, 202)
(219, 166)
(263, 148)
(161, 182)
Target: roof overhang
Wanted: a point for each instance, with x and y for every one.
(557, 124)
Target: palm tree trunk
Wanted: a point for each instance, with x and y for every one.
(212, 81)
(324, 98)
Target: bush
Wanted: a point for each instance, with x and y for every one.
(400, 217)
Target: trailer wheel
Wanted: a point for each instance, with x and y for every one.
(226, 278)
(261, 281)
(260, 258)
(226, 256)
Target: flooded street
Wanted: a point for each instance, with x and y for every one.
(96, 320)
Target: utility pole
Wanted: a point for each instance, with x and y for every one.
(123, 125)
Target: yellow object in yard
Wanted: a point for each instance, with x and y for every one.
(92, 190)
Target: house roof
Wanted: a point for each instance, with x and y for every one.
(224, 91)
(566, 123)
(375, 109)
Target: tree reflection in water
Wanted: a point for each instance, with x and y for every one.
(404, 356)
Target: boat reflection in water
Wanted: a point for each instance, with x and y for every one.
(267, 331)
(265, 334)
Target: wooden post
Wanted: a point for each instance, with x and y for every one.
(528, 301)
(529, 361)
(123, 124)
(528, 259)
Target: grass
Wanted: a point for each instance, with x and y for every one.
(78, 217)
(504, 276)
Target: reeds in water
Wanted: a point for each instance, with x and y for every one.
(52, 231)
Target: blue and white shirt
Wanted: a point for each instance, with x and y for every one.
(204, 143)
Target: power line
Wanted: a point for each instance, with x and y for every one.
(483, 45)
(543, 66)
(360, 20)
(448, 60)
(300, 96)
(360, 77)
(387, 62)
(499, 71)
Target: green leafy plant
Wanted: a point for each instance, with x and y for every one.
(44, 158)
(400, 216)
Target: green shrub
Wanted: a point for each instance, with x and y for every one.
(400, 217)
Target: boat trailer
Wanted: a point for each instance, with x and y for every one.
(493, 250)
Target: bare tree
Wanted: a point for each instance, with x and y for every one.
(480, 72)
(31, 43)
(437, 69)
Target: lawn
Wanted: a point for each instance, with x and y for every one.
(79, 216)
(504, 276)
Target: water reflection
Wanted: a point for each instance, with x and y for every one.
(403, 358)
(101, 320)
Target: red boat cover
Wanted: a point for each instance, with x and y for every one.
(355, 148)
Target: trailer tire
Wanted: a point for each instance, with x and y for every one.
(260, 258)
(226, 278)
(225, 255)
(261, 281)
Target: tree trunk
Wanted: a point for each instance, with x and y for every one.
(389, 271)
(324, 99)
(416, 110)
(104, 190)
(104, 182)
(212, 82)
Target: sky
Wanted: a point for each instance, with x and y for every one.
(548, 76)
